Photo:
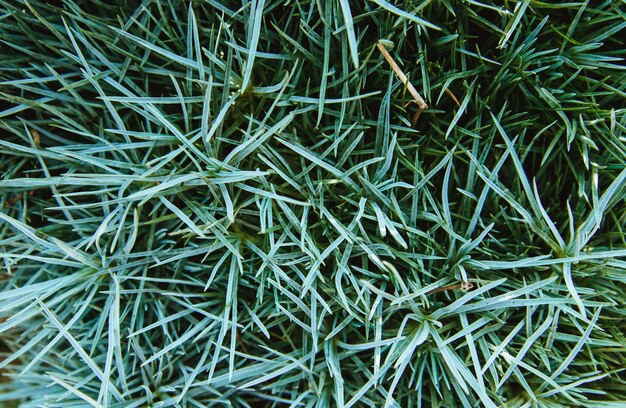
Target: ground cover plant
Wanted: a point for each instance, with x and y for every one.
(211, 203)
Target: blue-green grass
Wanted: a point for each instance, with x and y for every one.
(220, 203)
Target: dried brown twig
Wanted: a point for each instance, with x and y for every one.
(421, 103)
(464, 287)
(451, 95)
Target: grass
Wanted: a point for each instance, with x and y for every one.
(213, 204)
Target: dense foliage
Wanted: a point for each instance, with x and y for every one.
(209, 203)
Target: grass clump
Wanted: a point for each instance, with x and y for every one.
(213, 204)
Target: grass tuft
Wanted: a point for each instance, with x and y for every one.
(214, 203)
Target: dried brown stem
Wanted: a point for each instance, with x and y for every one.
(464, 287)
(416, 116)
(451, 95)
(416, 96)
